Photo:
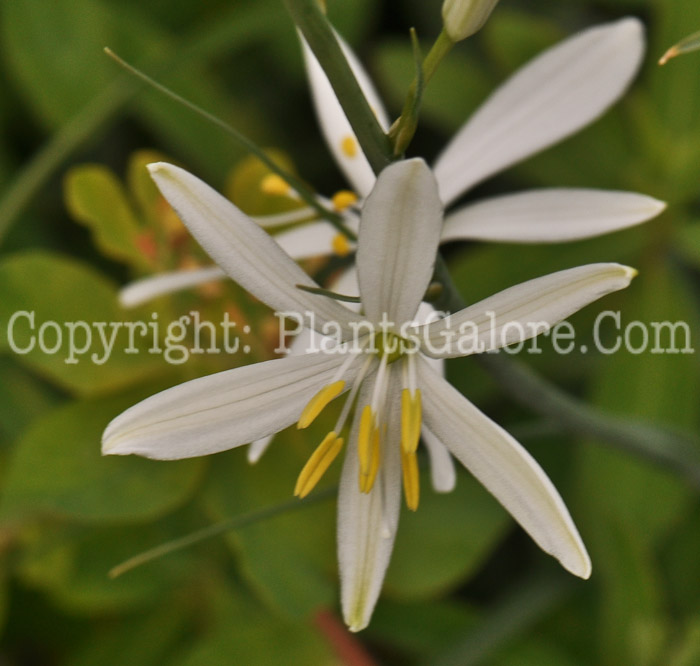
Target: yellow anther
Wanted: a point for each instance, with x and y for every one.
(367, 481)
(275, 185)
(343, 199)
(318, 403)
(411, 480)
(341, 245)
(317, 464)
(349, 146)
(364, 440)
(411, 420)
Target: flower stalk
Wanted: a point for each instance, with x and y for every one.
(317, 32)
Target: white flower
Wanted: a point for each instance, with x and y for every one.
(562, 90)
(392, 390)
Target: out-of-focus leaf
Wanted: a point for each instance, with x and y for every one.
(67, 68)
(686, 652)
(445, 541)
(60, 290)
(243, 633)
(22, 398)
(287, 559)
(97, 199)
(57, 469)
(628, 505)
(420, 629)
(680, 556)
(514, 37)
(72, 565)
(150, 639)
(534, 652)
(687, 243)
(64, 66)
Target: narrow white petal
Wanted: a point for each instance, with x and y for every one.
(146, 289)
(221, 411)
(553, 96)
(336, 129)
(314, 239)
(399, 236)
(257, 448)
(442, 467)
(367, 523)
(505, 468)
(550, 216)
(242, 249)
(521, 312)
(305, 342)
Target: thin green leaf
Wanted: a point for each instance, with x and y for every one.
(216, 529)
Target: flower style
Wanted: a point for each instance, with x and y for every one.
(380, 361)
(559, 92)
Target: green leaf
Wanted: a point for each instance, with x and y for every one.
(71, 566)
(302, 541)
(514, 37)
(420, 628)
(243, 633)
(148, 639)
(57, 469)
(95, 197)
(23, 398)
(74, 296)
(627, 504)
(445, 541)
(65, 66)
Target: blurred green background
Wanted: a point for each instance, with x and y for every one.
(78, 218)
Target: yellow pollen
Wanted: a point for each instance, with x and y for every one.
(364, 441)
(340, 245)
(411, 481)
(318, 403)
(343, 199)
(349, 146)
(367, 480)
(275, 185)
(411, 420)
(317, 464)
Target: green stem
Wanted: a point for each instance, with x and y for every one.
(219, 528)
(304, 193)
(677, 451)
(321, 39)
(404, 128)
(442, 46)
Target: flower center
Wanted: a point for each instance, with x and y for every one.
(372, 435)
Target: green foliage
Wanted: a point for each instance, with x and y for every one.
(64, 475)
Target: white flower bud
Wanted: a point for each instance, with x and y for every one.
(463, 18)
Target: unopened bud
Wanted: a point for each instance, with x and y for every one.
(463, 18)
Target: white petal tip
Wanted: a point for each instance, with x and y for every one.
(155, 167)
(581, 568)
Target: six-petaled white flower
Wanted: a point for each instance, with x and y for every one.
(391, 389)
